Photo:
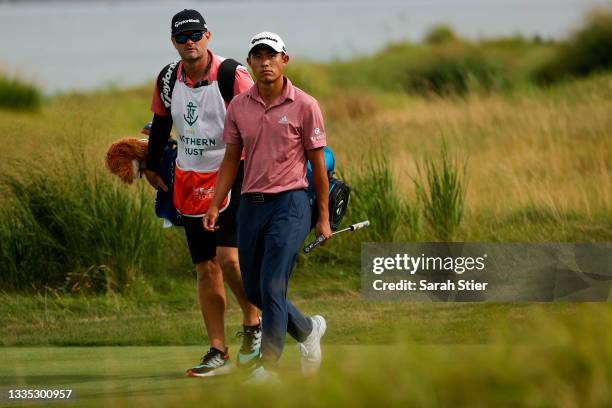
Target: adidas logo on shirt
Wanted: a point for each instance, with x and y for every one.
(283, 120)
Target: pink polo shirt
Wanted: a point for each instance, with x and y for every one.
(275, 138)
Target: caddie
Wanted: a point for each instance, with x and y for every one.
(193, 94)
(280, 128)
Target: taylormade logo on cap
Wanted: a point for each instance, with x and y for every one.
(258, 39)
(180, 23)
(272, 40)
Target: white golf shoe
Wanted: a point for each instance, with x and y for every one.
(260, 376)
(310, 349)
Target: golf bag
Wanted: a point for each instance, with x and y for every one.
(339, 193)
(164, 202)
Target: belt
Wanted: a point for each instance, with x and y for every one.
(261, 197)
(266, 197)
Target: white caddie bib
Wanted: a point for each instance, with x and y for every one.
(198, 115)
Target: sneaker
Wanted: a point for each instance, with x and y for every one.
(250, 349)
(260, 376)
(310, 349)
(215, 362)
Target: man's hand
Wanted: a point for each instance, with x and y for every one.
(321, 186)
(155, 180)
(210, 219)
(323, 228)
(225, 179)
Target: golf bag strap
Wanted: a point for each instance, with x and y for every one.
(227, 78)
(165, 84)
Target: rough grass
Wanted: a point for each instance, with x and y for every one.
(66, 226)
(547, 149)
(538, 165)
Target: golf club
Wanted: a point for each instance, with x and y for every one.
(310, 247)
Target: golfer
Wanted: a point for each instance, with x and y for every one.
(279, 127)
(196, 107)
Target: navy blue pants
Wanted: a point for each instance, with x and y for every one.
(270, 234)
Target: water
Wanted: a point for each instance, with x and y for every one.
(83, 45)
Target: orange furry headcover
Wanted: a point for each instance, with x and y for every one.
(126, 158)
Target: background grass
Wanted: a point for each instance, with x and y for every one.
(85, 263)
(536, 162)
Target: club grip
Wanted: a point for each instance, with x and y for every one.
(314, 244)
(360, 225)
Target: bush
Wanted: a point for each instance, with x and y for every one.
(69, 228)
(15, 94)
(456, 75)
(442, 194)
(440, 34)
(588, 50)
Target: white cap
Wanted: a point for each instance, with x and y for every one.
(272, 40)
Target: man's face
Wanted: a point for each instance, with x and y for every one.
(192, 49)
(267, 64)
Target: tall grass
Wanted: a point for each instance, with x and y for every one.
(65, 226)
(441, 187)
(351, 105)
(375, 197)
(16, 94)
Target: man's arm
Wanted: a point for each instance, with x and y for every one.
(225, 179)
(160, 132)
(321, 186)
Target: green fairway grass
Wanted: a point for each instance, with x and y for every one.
(172, 317)
(558, 372)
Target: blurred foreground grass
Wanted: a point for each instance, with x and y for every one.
(558, 363)
(375, 353)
